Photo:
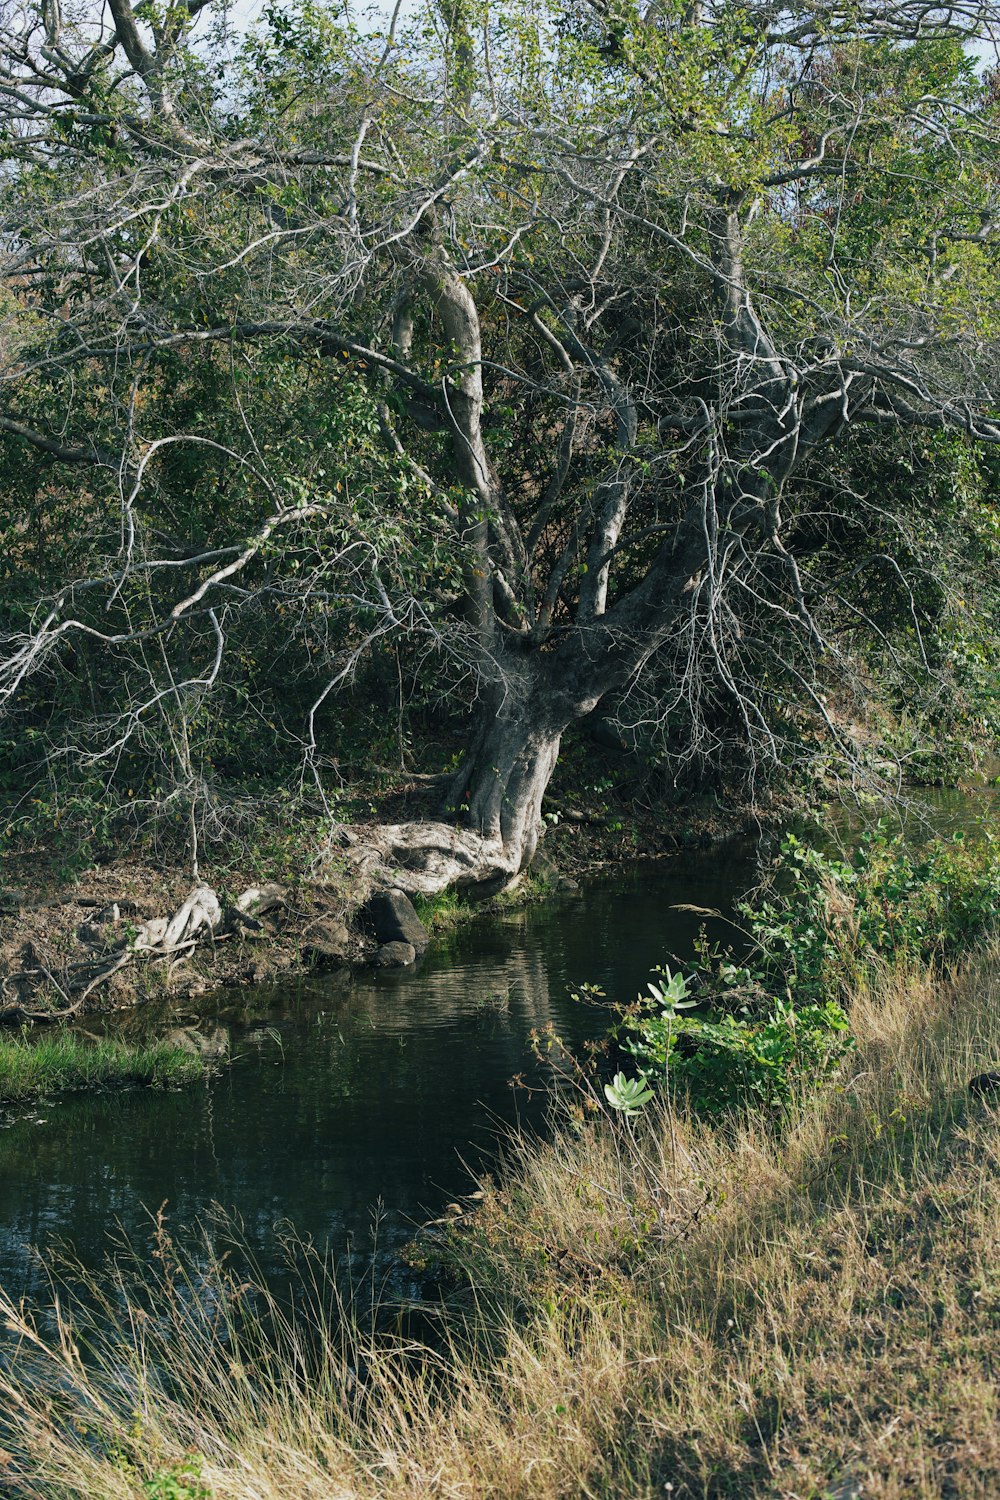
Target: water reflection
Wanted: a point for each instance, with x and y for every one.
(342, 1096)
(347, 1102)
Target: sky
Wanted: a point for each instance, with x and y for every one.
(244, 13)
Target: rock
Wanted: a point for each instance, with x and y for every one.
(326, 939)
(608, 734)
(543, 864)
(847, 1489)
(390, 917)
(11, 903)
(259, 899)
(90, 932)
(395, 956)
(567, 883)
(984, 1084)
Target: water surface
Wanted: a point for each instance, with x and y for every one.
(348, 1103)
(355, 1102)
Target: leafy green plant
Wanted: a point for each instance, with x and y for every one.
(741, 1061)
(180, 1481)
(746, 1060)
(627, 1095)
(829, 919)
(773, 1024)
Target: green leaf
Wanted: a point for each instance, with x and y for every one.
(627, 1095)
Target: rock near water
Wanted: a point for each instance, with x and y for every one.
(390, 917)
(395, 955)
(328, 939)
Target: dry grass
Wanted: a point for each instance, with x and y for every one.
(678, 1311)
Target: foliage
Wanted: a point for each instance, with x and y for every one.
(182, 1481)
(739, 1061)
(268, 522)
(832, 919)
(627, 1095)
(775, 1027)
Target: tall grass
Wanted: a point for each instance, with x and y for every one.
(52, 1063)
(641, 1309)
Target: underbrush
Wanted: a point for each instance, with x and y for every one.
(39, 1066)
(761, 1029)
(644, 1305)
(832, 920)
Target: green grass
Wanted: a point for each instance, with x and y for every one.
(441, 914)
(449, 910)
(50, 1064)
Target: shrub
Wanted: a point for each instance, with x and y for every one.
(762, 1062)
(831, 919)
(773, 1026)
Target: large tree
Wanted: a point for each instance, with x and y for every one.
(575, 307)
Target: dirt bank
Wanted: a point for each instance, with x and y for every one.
(93, 939)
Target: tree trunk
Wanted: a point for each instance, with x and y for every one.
(494, 804)
(500, 786)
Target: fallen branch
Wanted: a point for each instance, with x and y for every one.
(200, 918)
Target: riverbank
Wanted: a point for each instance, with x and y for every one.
(61, 1062)
(641, 1309)
(62, 930)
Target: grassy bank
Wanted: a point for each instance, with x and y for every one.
(643, 1308)
(50, 1064)
(446, 913)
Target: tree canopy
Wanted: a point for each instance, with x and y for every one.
(609, 357)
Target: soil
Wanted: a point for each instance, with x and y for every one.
(56, 928)
(52, 923)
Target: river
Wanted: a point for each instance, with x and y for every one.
(352, 1103)
(355, 1108)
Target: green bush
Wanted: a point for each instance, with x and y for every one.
(830, 919)
(772, 1025)
(765, 1062)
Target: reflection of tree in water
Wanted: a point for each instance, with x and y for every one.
(342, 1092)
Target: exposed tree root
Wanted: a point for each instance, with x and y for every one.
(425, 858)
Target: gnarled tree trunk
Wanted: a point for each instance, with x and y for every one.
(492, 817)
(494, 805)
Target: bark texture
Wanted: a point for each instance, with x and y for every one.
(494, 805)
